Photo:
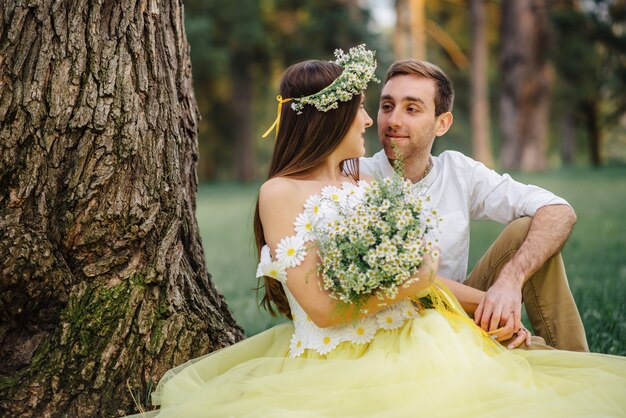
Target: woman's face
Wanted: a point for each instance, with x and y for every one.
(353, 144)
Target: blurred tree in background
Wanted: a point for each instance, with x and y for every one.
(589, 55)
(561, 76)
(239, 50)
(525, 84)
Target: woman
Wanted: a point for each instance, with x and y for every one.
(392, 360)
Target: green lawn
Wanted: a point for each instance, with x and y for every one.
(595, 255)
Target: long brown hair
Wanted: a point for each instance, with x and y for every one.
(303, 143)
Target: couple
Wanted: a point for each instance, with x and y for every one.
(397, 360)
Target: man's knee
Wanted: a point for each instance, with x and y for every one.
(516, 231)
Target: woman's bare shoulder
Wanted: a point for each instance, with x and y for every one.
(281, 200)
(281, 192)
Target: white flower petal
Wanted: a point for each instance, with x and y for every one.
(312, 207)
(326, 340)
(264, 259)
(274, 269)
(390, 318)
(363, 331)
(297, 344)
(290, 251)
(304, 227)
(332, 193)
(265, 254)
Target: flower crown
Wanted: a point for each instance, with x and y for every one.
(358, 70)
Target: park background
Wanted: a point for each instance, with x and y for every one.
(564, 71)
(130, 159)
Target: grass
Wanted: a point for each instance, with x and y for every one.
(595, 255)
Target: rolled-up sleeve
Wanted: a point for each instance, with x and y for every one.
(500, 198)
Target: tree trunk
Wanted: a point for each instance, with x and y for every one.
(103, 284)
(590, 110)
(418, 29)
(410, 30)
(402, 32)
(245, 156)
(525, 90)
(479, 97)
(568, 137)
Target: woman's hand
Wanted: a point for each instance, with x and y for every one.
(510, 337)
(522, 335)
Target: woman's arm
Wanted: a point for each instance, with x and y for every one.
(468, 296)
(280, 202)
(306, 286)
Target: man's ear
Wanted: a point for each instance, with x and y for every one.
(444, 121)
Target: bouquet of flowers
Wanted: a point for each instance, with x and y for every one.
(373, 238)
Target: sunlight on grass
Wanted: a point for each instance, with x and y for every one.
(595, 255)
(225, 212)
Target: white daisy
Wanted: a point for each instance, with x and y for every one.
(312, 207)
(297, 344)
(348, 188)
(304, 227)
(325, 340)
(352, 195)
(291, 251)
(333, 193)
(407, 309)
(390, 318)
(274, 269)
(304, 322)
(362, 331)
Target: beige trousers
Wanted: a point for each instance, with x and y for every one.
(546, 295)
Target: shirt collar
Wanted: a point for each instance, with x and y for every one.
(386, 169)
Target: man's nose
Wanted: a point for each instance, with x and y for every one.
(393, 121)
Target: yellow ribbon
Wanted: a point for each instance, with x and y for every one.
(447, 304)
(279, 111)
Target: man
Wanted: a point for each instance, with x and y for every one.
(524, 263)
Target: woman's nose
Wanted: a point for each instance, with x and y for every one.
(368, 121)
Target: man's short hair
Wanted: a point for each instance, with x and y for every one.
(444, 96)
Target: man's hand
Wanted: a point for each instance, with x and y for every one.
(549, 228)
(501, 306)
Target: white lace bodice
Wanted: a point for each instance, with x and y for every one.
(307, 335)
(289, 253)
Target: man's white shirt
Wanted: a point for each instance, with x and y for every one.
(461, 189)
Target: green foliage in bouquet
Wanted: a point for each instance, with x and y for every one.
(376, 239)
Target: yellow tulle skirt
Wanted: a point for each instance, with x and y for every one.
(436, 365)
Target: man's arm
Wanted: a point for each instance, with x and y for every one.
(549, 229)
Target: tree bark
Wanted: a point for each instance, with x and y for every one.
(479, 96)
(103, 284)
(525, 90)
